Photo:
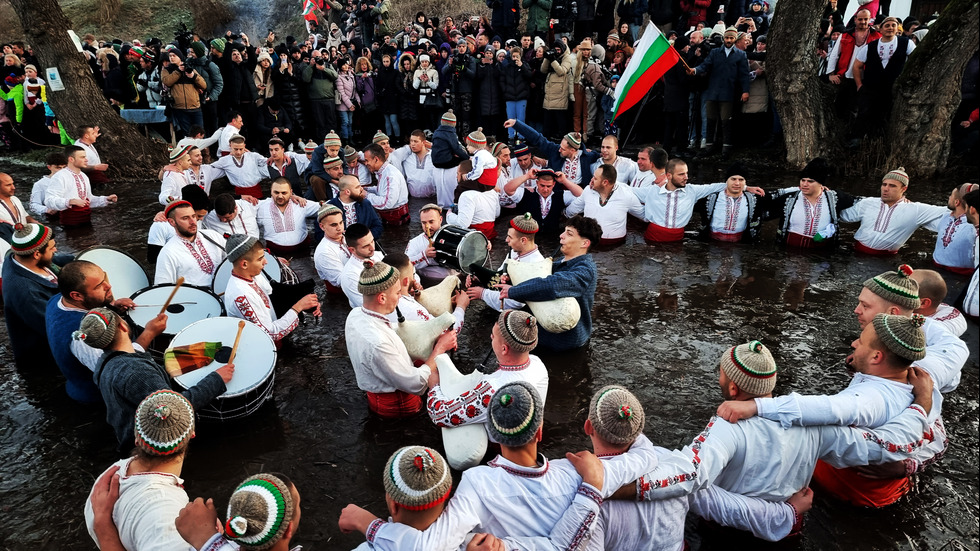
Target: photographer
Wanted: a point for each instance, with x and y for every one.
(556, 66)
(461, 73)
(185, 86)
(320, 78)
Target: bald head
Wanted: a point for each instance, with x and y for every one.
(932, 290)
(7, 188)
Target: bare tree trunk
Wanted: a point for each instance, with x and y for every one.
(122, 146)
(108, 9)
(927, 93)
(803, 102)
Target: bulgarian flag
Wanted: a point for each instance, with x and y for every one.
(652, 57)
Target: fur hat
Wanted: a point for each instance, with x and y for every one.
(816, 170)
(259, 512)
(896, 287)
(737, 169)
(417, 478)
(751, 367)
(902, 335)
(518, 329)
(616, 415)
(515, 414)
(164, 423)
(376, 278)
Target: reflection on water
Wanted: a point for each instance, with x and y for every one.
(663, 315)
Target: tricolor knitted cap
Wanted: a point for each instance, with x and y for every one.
(330, 162)
(520, 149)
(379, 137)
(751, 367)
(176, 204)
(376, 277)
(331, 139)
(574, 139)
(524, 223)
(350, 153)
(518, 329)
(417, 478)
(515, 414)
(731, 30)
(310, 147)
(98, 328)
(28, 238)
(476, 137)
(899, 175)
(497, 148)
(616, 415)
(448, 118)
(238, 244)
(896, 287)
(178, 152)
(326, 210)
(164, 423)
(902, 335)
(259, 512)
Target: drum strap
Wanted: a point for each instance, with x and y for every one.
(213, 242)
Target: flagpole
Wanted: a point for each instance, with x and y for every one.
(680, 56)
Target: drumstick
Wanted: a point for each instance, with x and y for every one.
(238, 337)
(180, 281)
(159, 305)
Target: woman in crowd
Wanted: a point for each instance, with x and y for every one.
(387, 95)
(366, 83)
(346, 98)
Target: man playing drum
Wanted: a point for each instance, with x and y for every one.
(125, 377)
(420, 250)
(247, 294)
(194, 254)
(382, 366)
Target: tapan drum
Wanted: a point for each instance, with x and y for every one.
(189, 305)
(126, 274)
(255, 365)
(459, 248)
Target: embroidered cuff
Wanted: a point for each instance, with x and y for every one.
(372, 530)
(797, 522)
(590, 492)
(216, 542)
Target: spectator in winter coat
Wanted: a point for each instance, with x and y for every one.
(320, 77)
(515, 84)
(185, 85)
(262, 76)
(198, 60)
(557, 66)
(538, 16)
(505, 16)
(491, 98)
(386, 95)
(347, 99)
(426, 81)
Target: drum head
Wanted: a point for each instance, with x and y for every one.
(219, 282)
(472, 250)
(189, 305)
(126, 274)
(254, 361)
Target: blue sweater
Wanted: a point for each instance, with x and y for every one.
(25, 299)
(574, 278)
(365, 215)
(60, 325)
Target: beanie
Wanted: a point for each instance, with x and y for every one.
(98, 328)
(737, 169)
(518, 329)
(476, 137)
(28, 238)
(379, 137)
(896, 287)
(616, 415)
(310, 147)
(259, 511)
(219, 45)
(574, 139)
(164, 423)
(899, 175)
(448, 118)
(497, 148)
(238, 244)
(178, 152)
(417, 478)
(330, 162)
(524, 224)
(520, 149)
(199, 49)
(331, 139)
(515, 414)
(350, 154)
(326, 210)
(816, 170)
(751, 367)
(902, 335)
(376, 278)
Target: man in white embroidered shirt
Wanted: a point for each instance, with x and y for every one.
(332, 253)
(382, 366)
(194, 254)
(283, 223)
(607, 201)
(70, 191)
(954, 242)
(390, 199)
(247, 294)
(360, 241)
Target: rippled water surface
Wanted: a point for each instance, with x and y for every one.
(663, 315)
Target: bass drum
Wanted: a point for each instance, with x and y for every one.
(126, 274)
(255, 364)
(219, 282)
(189, 305)
(460, 248)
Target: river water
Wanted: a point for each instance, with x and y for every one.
(663, 316)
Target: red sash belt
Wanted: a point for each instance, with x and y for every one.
(76, 216)
(396, 216)
(862, 248)
(660, 234)
(332, 289)
(955, 270)
(254, 191)
(284, 250)
(727, 237)
(97, 178)
(612, 242)
(847, 485)
(801, 241)
(486, 228)
(394, 404)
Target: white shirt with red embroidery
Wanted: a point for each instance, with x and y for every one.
(392, 191)
(244, 173)
(250, 300)
(381, 362)
(476, 207)
(173, 182)
(330, 258)
(418, 172)
(285, 227)
(808, 219)
(472, 406)
(13, 215)
(245, 221)
(642, 178)
(733, 218)
(626, 169)
(202, 177)
(673, 208)
(91, 154)
(492, 296)
(196, 261)
(67, 185)
(950, 318)
(611, 216)
(888, 228)
(954, 242)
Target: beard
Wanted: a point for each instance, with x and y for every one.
(185, 233)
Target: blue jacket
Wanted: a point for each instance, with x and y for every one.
(575, 278)
(447, 152)
(78, 379)
(549, 150)
(365, 215)
(25, 300)
(728, 76)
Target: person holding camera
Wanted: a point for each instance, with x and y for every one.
(556, 66)
(320, 78)
(461, 73)
(185, 85)
(426, 81)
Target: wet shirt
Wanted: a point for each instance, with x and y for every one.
(67, 185)
(954, 242)
(887, 228)
(673, 209)
(380, 359)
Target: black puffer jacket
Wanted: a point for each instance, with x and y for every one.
(386, 90)
(408, 106)
(239, 84)
(491, 97)
(515, 82)
(288, 93)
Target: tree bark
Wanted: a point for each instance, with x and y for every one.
(108, 9)
(803, 102)
(127, 152)
(927, 93)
